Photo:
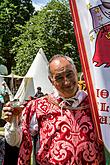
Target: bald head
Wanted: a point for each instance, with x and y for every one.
(57, 60)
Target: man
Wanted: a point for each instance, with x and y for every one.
(62, 121)
(39, 93)
(2, 94)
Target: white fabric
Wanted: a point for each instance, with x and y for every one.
(13, 132)
(93, 32)
(13, 137)
(77, 99)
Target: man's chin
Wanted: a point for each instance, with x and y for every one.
(68, 94)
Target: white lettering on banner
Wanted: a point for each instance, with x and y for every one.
(103, 106)
(93, 38)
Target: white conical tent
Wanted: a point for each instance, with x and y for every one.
(36, 76)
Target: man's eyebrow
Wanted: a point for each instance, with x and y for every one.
(58, 75)
(69, 70)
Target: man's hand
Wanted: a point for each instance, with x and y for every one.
(9, 111)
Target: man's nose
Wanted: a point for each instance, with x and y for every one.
(67, 81)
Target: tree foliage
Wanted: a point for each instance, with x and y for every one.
(52, 29)
(12, 14)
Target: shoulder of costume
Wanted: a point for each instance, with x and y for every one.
(50, 98)
(46, 96)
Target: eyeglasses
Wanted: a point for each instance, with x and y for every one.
(59, 78)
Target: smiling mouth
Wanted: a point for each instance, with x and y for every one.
(67, 87)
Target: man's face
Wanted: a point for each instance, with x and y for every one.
(64, 77)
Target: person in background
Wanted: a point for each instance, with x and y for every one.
(3, 92)
(39, 93)
(61, 122)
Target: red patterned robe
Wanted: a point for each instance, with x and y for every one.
(66, 138)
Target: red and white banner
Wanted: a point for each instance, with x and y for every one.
(92, 28)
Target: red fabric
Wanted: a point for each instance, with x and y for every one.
(64, 140)
(102, 49)
(26, 145)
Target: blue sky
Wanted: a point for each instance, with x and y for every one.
(39, 3)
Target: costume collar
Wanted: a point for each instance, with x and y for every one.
(76, 100)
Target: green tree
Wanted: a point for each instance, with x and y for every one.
(12, 14)
(52, 29)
